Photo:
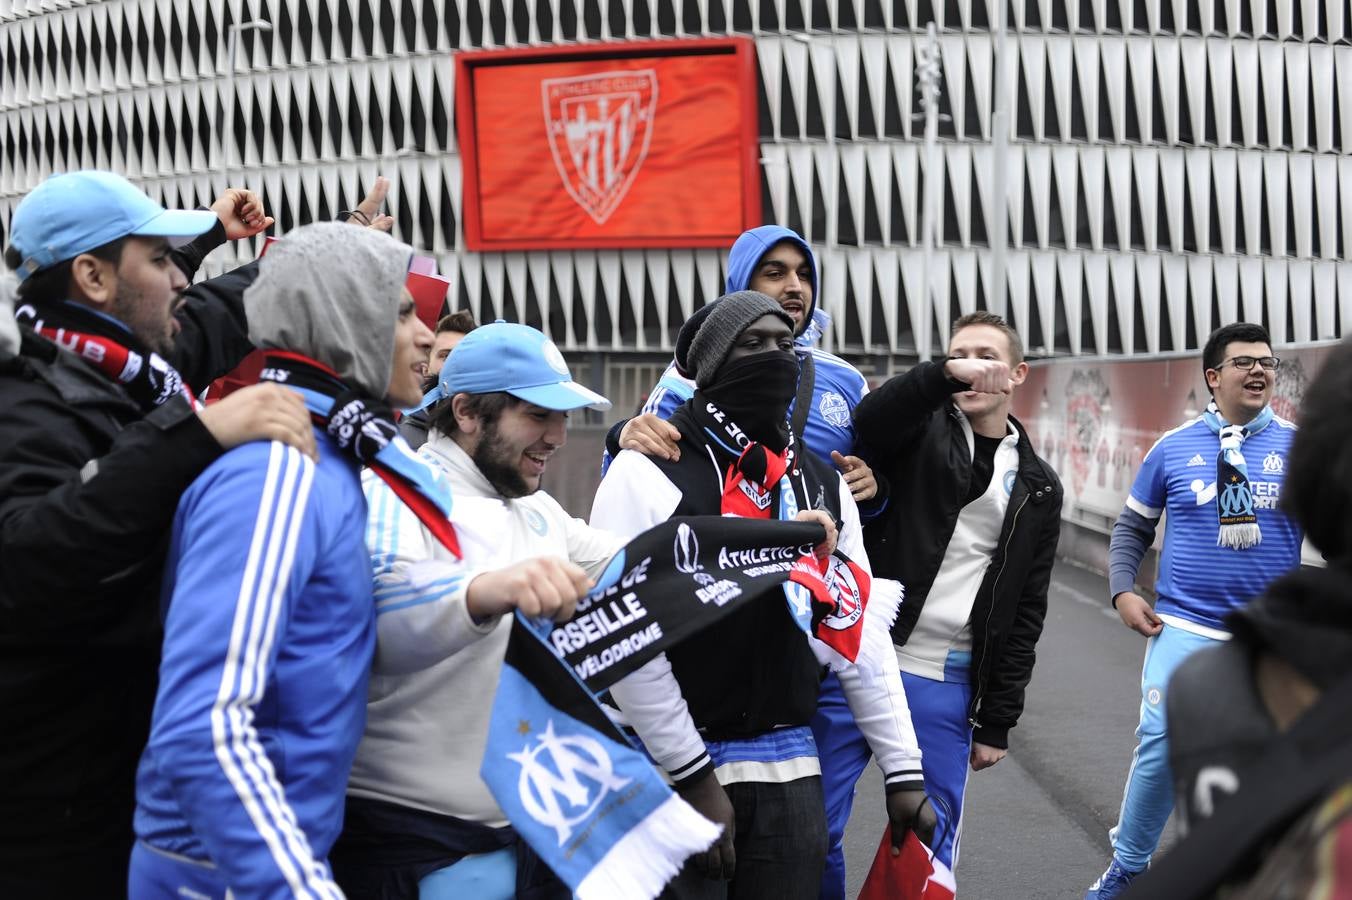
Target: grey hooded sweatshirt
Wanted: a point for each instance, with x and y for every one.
(313, 296)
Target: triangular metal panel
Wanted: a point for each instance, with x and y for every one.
(901, 60)
(1251, 288)
(1037, 159)
(608, 265)
(1298, 90)
(1246, 85)
(1300, 278)
(1326, 204)
(1198, 165)
(1270, 64)
(906, 166)
(1014, 175)
(1300, 169)
(887, 273)
(917, 301)
(963, 263)
(1087, 72)
(1060, 63)
(1176, 296)
(1275, 287)
(768, 56)
(873, 52)
(537, 265)
(1044, 293)
(1092, 160)
(1113, 56)
(1171, 172)
(1343, 62)
(1145, 171)
(1065, 159)
(853, 166)
(1192, 55)
(658, 265)
(1251, 199)
(860, 271)
(1345, 293)
(958, 163)
(1199, 293)
(1225, 272)
(1017, 271)
(774, 162)
(1070, 269)
(1166, 65)
(1224, 187)
(1148, 289)
(1033, 56)
(1096, 283)
(1140, 54)
(707, 270)
(1221, 80)
(847, 73)
(827, 159)
(879, 163)
(1322, 84)
(979, 69)
(1119, 178)
(1274, 184)
(1326, 300)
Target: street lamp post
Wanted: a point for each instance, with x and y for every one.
(998, 228)
(929, 71)
(232, 46)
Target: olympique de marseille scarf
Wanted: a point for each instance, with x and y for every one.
(587, 800)
(110, 347)
(1234, 498)
(365, 428)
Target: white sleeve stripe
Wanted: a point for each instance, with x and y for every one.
(1145, 512)
(238, 751)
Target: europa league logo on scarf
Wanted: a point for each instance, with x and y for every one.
(685, 552)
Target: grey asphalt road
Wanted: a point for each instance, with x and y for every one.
(1036, 824)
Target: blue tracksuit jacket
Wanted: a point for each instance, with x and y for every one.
(269, 633)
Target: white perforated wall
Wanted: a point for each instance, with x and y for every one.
(1172, 163)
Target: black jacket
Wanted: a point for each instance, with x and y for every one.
(915, 432)
(88, 489)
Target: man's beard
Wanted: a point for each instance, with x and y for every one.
(497, 463)
(129, 308)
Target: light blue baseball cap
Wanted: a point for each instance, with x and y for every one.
(516, 359)
(77, 212)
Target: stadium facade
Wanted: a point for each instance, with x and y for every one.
(1169, 164)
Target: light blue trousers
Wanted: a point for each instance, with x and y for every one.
(1149, 795)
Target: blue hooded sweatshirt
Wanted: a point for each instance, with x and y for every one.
(838, 386)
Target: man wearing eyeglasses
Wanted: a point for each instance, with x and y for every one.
(1219, 477)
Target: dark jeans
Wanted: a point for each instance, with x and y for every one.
(780, 844)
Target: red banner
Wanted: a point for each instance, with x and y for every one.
(650, 144)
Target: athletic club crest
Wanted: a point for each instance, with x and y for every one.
(599, 127)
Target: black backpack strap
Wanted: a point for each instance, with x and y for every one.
(802, 404)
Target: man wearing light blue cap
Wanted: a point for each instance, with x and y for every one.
(99, 436)
(420, 822)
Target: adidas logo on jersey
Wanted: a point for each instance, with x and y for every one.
(1196, 461)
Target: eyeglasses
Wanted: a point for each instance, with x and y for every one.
(1245, 363)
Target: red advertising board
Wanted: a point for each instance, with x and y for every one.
(636, 144)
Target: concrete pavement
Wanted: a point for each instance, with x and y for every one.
(1036, 824)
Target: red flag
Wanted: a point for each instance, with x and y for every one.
(633, 144)
(913, 875)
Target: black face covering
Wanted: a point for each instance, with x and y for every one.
(755, 391)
